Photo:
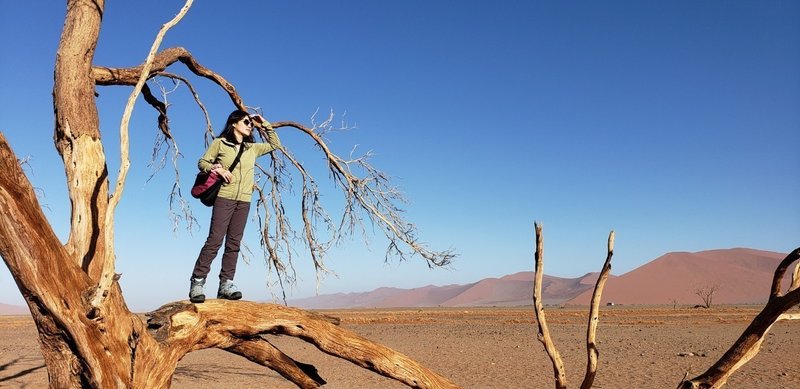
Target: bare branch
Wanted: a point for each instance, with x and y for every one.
(594, 318)
(179, 209)
(544, 332)
(160, 107)
(209, 134)
(375, 198)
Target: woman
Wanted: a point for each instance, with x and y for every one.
(229, 214)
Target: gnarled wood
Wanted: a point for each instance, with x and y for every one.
(236, 325)
(76, 342)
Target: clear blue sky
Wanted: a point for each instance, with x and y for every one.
(677, 124)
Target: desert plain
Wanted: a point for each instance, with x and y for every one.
(487, 347)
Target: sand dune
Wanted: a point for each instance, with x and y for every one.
(741, 276)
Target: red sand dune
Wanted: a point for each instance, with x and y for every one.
(742, 276)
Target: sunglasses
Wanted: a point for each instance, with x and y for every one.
(247, 121)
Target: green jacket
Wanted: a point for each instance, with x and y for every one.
(221, 150)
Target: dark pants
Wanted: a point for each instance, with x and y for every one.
(228, 218)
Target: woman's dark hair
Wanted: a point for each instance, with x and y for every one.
(234, 118)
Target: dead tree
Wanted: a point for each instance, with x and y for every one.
(88, 337)
(706, 293)
(749, 343)
(592, 353)
(742, 351)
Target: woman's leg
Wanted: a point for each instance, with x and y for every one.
(221, 216)
(233, 239)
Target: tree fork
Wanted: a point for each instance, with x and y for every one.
(559, 373)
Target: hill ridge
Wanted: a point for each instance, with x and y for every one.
(742, 275)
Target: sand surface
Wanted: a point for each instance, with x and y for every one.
(486, 348)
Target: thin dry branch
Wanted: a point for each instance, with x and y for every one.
(559, 373)
(271, 245)
(159, 158)
(160, 107)
(209, 134)
(311, 211)
(370, 195)
(594, 318)
(270, 210)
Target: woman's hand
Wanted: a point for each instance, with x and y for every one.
(261, 122)
(222, 172)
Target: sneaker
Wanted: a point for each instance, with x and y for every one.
(196, 294)
(227, 290)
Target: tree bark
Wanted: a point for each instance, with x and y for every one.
(77, 133)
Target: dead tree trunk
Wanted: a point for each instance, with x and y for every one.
(88, 337)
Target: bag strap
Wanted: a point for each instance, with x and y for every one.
(239, 155)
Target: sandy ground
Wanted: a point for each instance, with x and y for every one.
(487, 348)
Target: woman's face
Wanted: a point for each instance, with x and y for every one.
(243, 128)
